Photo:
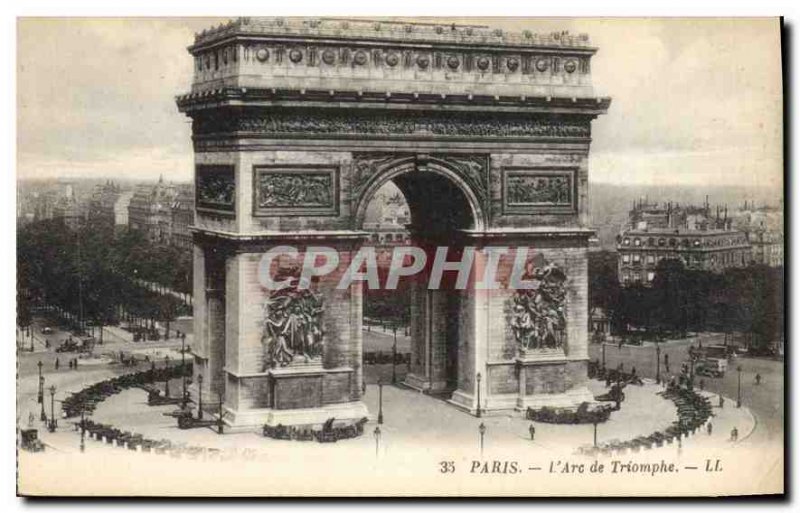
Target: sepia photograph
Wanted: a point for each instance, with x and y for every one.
(400, 257)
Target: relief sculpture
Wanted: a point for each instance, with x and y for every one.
(292, 323)
(538, 315)
(405, 123)
(294, 189)
(215, 187)
(532, 189)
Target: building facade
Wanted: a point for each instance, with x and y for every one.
(764, 228)
(671, 232)
(182, 217)
(150, 211)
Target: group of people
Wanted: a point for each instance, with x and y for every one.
(72, 362)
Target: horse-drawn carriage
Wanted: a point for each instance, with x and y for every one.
(29, 440)
(155, 397)
(614, 394)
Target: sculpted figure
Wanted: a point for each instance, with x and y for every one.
(292, 323)
(538, 317)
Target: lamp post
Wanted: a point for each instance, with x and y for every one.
(219, 421)
(166, 376)
(482, 431)
(83, 426)
(739, 387)
(40, 396)
(394, 355)
(52, 426)
(183, 371)
(603, 347)
(380, 402)
(377, 435)
(200, 397)
(658, 362)
(42, 415)
(478, 410)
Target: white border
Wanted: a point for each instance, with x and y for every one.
(559, 8)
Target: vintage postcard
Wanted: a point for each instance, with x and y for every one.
(509, 257)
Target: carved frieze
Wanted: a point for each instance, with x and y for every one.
(537, 315)
(396, 123)
(295, 190)
(539, 190)
(215, 188)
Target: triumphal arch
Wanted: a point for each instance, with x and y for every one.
(296, 123)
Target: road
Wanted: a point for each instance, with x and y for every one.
(766, 400)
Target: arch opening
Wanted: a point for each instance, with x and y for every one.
(427, 322)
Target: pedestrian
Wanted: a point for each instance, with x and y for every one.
(56, 363)
(31, 419)
(76, 364)
(734, 434)
(721, 402)
(532, 431)
(709, 428)
(758, 379)
(702, 384)
(363, 387)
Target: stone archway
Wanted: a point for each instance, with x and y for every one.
(443, 205)
(296, 124)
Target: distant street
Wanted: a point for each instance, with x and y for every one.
(764, 400)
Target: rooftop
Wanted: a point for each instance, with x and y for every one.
(388, 30)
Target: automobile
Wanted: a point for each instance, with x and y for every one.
(47, 330)
(709, 368)
(29, 440)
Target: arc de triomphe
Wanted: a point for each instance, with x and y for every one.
(296, 124)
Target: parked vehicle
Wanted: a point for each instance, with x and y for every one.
(711, 367)
(29, 440)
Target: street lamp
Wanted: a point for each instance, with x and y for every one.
(603, 347)
(52, 426)
(394, 355)
(478, 410)
(380, 402)
(200, 396)
(83, 426)
(658, 363)
(482, 431)
(377, 435)
(183, 371)
(43, 415)
(219, 421)
(40, 396)
(739, 387)
(166, 375)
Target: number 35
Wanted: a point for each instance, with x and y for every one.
(447, 467)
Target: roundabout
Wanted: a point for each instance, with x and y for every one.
(411, 418)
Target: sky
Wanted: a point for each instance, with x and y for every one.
(694, 101)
